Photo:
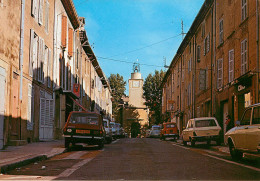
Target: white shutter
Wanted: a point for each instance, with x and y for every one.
(47, 113)
(34, 7)
(35, 55)
(231, 65)
(29, 108)
(208, 42)
(51, 111)
(42, 111)
(43, 63)
(49, 68)
(47, 16)
(31, 53)
(39, 59)
(41, 2)
(205, 40)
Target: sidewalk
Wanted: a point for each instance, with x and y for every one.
(17, 156)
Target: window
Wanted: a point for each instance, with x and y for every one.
(77, 59)
(40, 63)
(206, 45)
(203, 29)
(220, 74)
(70, 44)
(205, 123)
(256, 115)
(221, 35)
(40, 21)
(243, 56)
(246, 117)
(231, 65)
(64, 31)
(35, 7)
(202, 79)
(190, 47)
(243, 10)
(30, 108)
(47, 16)
(198, 53)
(49, 68)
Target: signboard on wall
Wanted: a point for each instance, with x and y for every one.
(76, 89)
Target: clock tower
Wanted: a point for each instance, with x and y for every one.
(136, 94)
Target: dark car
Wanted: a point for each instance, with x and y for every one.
(84, 127)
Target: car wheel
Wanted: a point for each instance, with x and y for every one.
(218, 141)
(192, 143)
(101, 145)
(235, 154)
(184, 143)
(208, 143)
(67, 143)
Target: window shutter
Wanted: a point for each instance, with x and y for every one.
(40, 21)
(31, 53)
(35, 55)
(49, 68)
(205, 40)
(29, 109)
(202, 81)
(70, 43)
(47, 16)
(42, 111)
(34, 8)
(231, 65)
(208, 42)
(39, 59)
(64, 31)
(43, 62)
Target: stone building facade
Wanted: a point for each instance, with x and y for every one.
(215, 71)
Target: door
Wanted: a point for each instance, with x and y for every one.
(2, 105)
(225, 113)
(15, 107)
(46, 118)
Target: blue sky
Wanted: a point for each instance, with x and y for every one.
(127, 30)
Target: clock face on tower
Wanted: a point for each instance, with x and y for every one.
(136, 83)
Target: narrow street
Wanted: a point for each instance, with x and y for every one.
(145, 159)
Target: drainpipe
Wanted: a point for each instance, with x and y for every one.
(257, 53)
(213, 56)
(21, 60)
(21, 47)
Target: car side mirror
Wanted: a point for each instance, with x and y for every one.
(237, 123)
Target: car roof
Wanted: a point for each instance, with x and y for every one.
(203, 118)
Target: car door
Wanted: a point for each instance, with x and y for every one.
(239, 137)
(253, 131)
(186, 132)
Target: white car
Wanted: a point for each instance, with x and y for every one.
(245, 137)
(118, 130)
(108, 130)
(155, 131)
(201, 129)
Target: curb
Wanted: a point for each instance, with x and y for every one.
(5, 168)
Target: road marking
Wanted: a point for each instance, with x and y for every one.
(69, 171)
(228, 161)
(75, 155)
(115, 141)
(180, 146)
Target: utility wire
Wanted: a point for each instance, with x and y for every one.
(145, 46)
(116, 60)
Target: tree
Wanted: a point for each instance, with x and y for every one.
(153, 93)
(117, 85)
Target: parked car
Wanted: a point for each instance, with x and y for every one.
(108, 130)
(84, 127)
(169, 130)
(202, 129)
(155, 131)
(245, 137)
(117, 130)
(113, 127)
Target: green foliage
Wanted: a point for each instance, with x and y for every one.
(153, 93)
(117, 85)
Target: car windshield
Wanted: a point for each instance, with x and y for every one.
(84, 118)
(105, 124)
(156, 128)
(170, 125)
(205, 123)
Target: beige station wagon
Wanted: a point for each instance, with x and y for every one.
(201, 129)
(245, 137)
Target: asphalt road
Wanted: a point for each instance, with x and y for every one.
(139, 159)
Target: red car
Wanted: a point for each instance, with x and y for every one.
(84, 127)
(169, 130)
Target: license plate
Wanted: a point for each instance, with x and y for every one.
(83, 131)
